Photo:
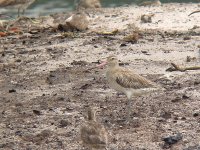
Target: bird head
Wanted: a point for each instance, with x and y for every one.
(111, 61)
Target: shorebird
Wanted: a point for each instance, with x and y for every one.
(126, 81)
(19, 4)
(93, 134)
(89, 4)
(150, 3)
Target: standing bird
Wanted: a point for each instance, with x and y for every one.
(93, 134)
(126, 81)
(150, 3)
(19, 4)
(88, 4)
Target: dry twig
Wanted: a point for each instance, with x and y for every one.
(182, 69)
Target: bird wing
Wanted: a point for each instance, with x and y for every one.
(92, 135)
(128, 79)
(95, 139)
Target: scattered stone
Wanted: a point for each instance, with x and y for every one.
(64, 123)
(12, 91)
(166, 115)
(19, 133)
(183, 118)
(79, 63)
(187, 38)
(196, 114)
(196, 82)
(18, 60)
(85, 4)
(189, 59)
(123, 64)
(144, 52)
(85, 86)
(195, 147)
(169, 141)
(37, 112)
(111, 49)
(132, 38)
(60, 98)
(123, 44)
(147, 18)
(18, 104)
(77, 21)
(69, 109)
(177, 99)
(185, 96)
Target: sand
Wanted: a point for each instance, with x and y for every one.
(47, 80)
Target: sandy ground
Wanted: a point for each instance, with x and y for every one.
(47, 81)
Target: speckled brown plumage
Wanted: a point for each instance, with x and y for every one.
(93, 134)
(127, 81)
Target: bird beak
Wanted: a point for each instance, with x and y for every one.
(102, 64)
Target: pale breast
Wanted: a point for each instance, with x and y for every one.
(112, 82)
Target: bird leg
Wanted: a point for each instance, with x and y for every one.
(128, 110)
(18, 12)
(23, 11)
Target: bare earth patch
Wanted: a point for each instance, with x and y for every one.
(48, 79)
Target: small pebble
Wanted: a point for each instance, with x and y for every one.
(12, 91)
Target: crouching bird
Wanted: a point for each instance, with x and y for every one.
(93, 134)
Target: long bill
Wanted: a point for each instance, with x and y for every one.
(102, 64)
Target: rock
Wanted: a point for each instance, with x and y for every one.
(196, 114)
(132, 38)
(176, 99)
(185, 96)
(64, 123)
(166, 115)
(79, 63)
(146, 18)
(12, 91)
(37, 112)
(19, 133)
(189, 59)
(186, 38)
(88, 4)
(169, 141)
(195, 147)
(77, 21)
(123, 44)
